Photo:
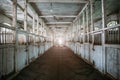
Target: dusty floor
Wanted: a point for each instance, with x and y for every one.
(59, 64)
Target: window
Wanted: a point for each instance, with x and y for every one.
(111, 23)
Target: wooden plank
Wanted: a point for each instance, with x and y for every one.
(80, 12)
(37, 24)
(104, 66)
(92, 24)
(25, 15)
(60, 16)
(33, 26)
(16, 32)
(59, 23)
(117, 46)
(60, 1)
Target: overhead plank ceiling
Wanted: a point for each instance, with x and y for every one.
(57, 9)
(58, 13)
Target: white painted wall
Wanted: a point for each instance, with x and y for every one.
(112, 57)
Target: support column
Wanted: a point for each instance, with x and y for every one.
(37, 24)
(33, 30)
(26, 29)
(83, 27)
(77, 29)
(77, 34)
(16, 33)
(87, 23)
(41, 28)
(118, 17)
(119, 28)
(80, 31)
(84, 33)
(87, 20)
(53, 39)
(92, 25)
(103, 37)
(33, 27)
(25, 15)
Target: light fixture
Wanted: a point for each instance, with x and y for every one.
(51, 10)
(60, 42)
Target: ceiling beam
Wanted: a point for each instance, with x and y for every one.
(59, 16)
(60, 1)
(58, 23)
(80, 12)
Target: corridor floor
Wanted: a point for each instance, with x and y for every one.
(59, 64)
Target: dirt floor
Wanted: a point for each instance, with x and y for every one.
(59, 64)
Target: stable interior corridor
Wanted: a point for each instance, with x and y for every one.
(59, 63)
(59, 39)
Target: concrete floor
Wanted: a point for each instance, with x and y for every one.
(59, 64)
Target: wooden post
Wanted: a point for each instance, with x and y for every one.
(87, 23)
(41, 28)
(92, 25)
(76, 36)
(37, 24)
(25, 15)
(119, 29)
(26, 29)
(53, 38)
(80, 31)
(88, 31)
(83, 27)
(33, 27)
(16, 33)
(119, 17)
(103, 37)
(77, 29)
(84, 32)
